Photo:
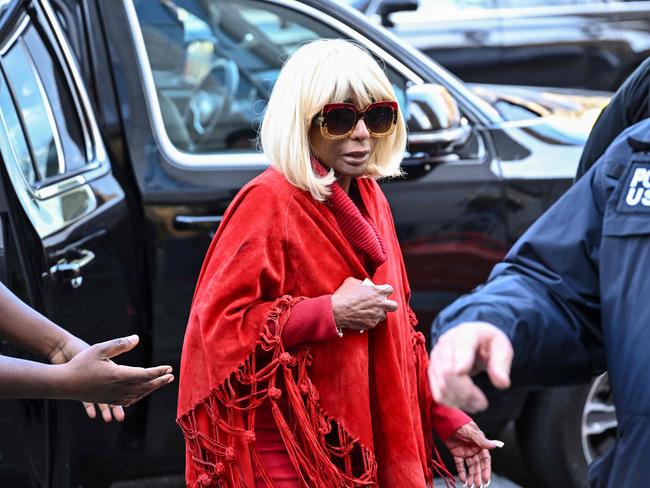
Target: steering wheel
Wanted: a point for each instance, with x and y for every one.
(210, 101)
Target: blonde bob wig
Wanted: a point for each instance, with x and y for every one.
(320, 72)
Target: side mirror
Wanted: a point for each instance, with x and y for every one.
(434, 120)
(388, 7)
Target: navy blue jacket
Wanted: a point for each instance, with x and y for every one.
(573, 295)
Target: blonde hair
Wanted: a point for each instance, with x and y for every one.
(320, 72)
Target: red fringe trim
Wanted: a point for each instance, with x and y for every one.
(321, 451)
(308, 435)
(426, 401)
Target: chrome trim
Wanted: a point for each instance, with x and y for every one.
(239, 160)
(74, 266)
(90, 173)
(95, 147)
(14, 37)
(198, 219)
(59, 187)
(447, 136)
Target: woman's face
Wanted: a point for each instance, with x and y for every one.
(348, 157)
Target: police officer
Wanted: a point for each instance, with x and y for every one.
(571, 299)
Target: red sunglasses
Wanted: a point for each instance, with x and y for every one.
(338, 120)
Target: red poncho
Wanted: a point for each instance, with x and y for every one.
(359, 408)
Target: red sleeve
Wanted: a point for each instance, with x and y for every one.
(310, 320)
(447, 420)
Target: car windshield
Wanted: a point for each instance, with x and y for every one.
(214, 64)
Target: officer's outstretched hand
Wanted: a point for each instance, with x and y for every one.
(460, 353)
(89, 375)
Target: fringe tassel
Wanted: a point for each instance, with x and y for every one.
(314, 458)
(425, 402)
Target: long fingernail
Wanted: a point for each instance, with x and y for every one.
(498, 443)
(488, 483)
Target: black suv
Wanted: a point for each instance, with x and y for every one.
(127, 126)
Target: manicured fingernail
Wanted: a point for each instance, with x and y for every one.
(498, 443)
(133, 337)
(488, 483)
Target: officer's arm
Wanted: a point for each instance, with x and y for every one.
(545, 295)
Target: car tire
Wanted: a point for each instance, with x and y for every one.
(564, 429)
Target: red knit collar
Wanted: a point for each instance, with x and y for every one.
(355, 223)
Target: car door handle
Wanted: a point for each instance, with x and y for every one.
(190, 222)
(68, 270)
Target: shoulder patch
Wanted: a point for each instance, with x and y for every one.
(635, 196)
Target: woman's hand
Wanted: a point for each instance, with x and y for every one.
(91, 375)
(469, 447)
(361, 305)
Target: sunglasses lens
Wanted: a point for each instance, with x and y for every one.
(379, 120)
(339, 121)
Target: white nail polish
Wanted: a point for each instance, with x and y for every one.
(488, 483)
(498, 443)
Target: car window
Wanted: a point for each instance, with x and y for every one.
(214, 65)
(14, 145)
(58, 90)
(36, 113)
(46, 111)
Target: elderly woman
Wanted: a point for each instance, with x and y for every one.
(301, 365)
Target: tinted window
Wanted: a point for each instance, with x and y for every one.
(214, 64)
(13, 144)
(58, 90)
(34, 109)
(47, 109)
